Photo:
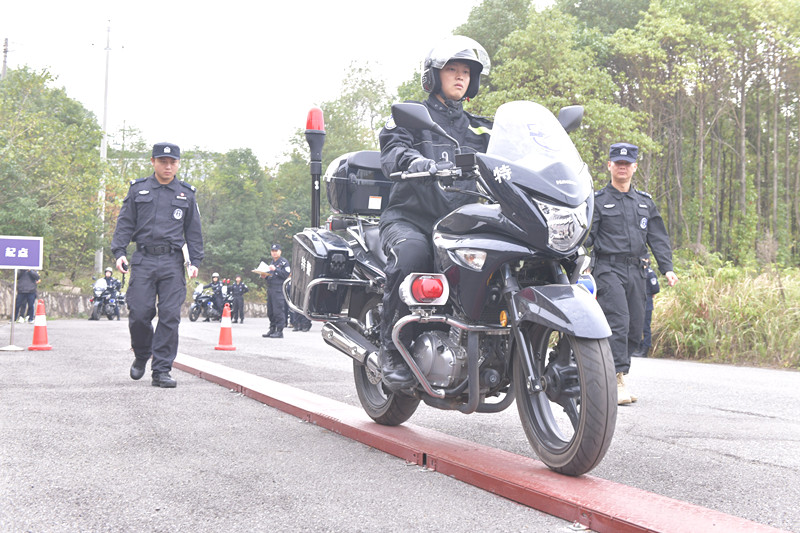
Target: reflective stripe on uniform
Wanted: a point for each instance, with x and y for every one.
(480, 130)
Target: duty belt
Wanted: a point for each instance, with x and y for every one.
(619, 258)
(155, 249)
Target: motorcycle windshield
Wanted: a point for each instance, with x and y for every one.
(539, 151)
(529, 135)
(100, 285)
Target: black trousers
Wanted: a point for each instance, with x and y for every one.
(409, 250)
(25, 304)
(157, 284)
(276, 308)
(621, 295)
(238, 308)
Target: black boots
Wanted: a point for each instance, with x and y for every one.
(396, 374)
(137, 368)
(270, 332)
(277, 334)
(164, 380)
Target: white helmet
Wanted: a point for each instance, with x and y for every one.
(458, 48)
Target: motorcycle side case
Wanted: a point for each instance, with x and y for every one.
(320, 254)
(356, 185)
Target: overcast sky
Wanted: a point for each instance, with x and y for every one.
(221, 75)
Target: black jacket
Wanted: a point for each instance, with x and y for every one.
(626, 224)
(279, 275)
(421, 202)
(159, 214)
(26, 281)
(238, 289)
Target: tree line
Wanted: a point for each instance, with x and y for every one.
(710, 91)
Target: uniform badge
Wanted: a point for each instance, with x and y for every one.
(643, 223)
(144, 192)
(609, 206)
(177, 214)
(390, 125)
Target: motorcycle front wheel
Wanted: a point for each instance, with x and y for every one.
(570, 420)
(95, 311)
(194, 313)
(383, 406)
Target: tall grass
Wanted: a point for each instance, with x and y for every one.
(730, 315)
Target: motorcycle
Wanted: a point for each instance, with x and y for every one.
(203, 304)
(105, 299)
(508, 312)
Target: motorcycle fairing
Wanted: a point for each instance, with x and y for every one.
(567, 308)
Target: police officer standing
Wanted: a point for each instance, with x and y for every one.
(160, 215)
(238, 289)
(625, 222)
(276, 274)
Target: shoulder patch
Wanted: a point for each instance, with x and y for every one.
(188, 186)
(390, 125)
(133, 182)
(643, 193)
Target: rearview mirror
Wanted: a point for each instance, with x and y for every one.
(570, 117)
(413, 116)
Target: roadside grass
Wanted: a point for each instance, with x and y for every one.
(730, 315)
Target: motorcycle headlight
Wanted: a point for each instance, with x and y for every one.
(565, 225)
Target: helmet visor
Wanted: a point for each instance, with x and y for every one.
(459, 48)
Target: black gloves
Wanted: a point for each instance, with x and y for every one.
(422, 164)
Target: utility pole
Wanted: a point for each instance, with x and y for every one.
(5, 60)
(101, 195)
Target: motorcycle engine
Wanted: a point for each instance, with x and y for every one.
(443, 362)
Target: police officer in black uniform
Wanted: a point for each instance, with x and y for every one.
(625, 222)
(451, 74)
(237, 290)
(276, 274)
(160, 215)
(114, 285)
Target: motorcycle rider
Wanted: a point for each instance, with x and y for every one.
(216, 287)
(114, 286)
(238, 289)
(451, 74)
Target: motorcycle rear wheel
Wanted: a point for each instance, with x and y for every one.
(194, 313)
(381, 405)
(571, 421)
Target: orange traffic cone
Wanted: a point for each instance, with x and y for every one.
(225, 340)
(40, 329)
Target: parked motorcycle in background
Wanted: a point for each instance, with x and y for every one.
(507, 314)
(105, 300)
(204, 302)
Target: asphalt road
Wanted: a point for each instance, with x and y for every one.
(85, 448)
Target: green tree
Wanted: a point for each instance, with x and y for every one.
(50, 170)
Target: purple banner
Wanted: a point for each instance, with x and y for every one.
(21, 252)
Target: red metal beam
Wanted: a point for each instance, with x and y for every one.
(596, 503)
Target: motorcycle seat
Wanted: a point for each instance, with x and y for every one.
(372, 239)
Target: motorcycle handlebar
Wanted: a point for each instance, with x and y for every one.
(453, 173)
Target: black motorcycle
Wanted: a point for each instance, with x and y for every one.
(506, 313)
(105, 300)
(203, 304)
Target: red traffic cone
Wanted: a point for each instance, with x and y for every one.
(40, 329)
(225, 340)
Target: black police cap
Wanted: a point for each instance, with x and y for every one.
(623, 152)
(276, 246)
(166, 150)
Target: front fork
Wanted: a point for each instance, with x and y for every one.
(510, 287)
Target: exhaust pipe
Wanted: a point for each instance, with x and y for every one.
(347, 340)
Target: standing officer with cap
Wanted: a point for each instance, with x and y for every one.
(278, 271)
(160, 214)
(625, 222)
(238, 289)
